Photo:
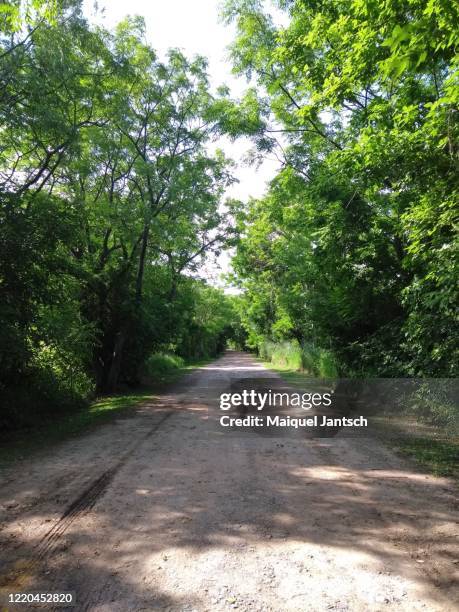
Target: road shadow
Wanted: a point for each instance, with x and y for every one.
(187, 490)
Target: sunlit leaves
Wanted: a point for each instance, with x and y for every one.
(367, 93)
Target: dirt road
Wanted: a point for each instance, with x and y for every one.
(161, 512)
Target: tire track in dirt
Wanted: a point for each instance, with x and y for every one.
(80, 506)
(193, 520)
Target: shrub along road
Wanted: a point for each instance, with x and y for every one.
(161, 510)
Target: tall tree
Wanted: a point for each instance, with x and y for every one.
(106, 180)
(365, 94)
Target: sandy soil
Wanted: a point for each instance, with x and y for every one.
(161, 511)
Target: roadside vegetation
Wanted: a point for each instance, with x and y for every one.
(289, 355)
(109, 202)
(433, 448)
(350, 260)
(438, 455)
(45, 430)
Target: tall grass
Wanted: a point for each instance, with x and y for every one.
(160, 366)
(318, 361)
(289, 355)
(282, 354)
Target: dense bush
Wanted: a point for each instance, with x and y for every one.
(319, 362)
(435, 402)
(289, 355)
(41, 394)
(159, 365)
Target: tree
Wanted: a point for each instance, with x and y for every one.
(45, 105)
(109, 200)
(146, 188)
(365, 94)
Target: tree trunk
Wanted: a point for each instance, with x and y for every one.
(115, 365)
(141, 268)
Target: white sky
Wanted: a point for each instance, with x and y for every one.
(194, 27)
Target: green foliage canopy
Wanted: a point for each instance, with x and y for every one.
(355, 246)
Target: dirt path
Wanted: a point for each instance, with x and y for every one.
(160, 512)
